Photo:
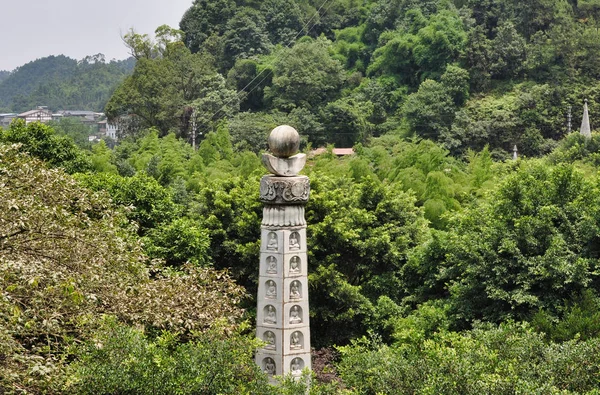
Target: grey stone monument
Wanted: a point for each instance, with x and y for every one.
(282, 319)
(585, 122)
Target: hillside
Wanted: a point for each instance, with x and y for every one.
(464, 73)
(60, 82)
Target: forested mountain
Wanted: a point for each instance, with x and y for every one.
(60, 82)
(437, 263)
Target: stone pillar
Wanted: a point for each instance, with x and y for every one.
(585, 122)
(282, 317)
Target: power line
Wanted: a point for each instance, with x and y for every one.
(289, 44)
(308, 31)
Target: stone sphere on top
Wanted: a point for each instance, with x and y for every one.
(284, 141)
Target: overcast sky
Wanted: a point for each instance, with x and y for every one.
(76, 28)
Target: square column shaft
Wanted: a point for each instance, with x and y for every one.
(282, 318)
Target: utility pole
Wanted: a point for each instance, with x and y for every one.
(194, 129)
(569, 124)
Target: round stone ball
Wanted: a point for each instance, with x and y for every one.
(284, 141)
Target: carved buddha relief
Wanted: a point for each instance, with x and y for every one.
(269, 338)
(271, 287)
(296, 315)
(272, 243)
(294, 241)
(296, 366)
(269, 366)
(295, 265)
(295, 290)
(270, 315)
(296, 341)
(271, 264)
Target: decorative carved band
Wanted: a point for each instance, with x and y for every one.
(284, 190)
(278, 216)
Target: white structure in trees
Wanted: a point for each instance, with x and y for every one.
(585, 122)
(282, 313)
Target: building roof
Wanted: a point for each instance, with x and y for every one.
(76, 112)
(33, 112)
(335, 151)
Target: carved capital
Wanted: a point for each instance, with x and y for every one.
(288, 190)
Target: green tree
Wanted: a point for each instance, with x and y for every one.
(129, 361)
(361, 234)
(509, 358)
(203, 19)
(347, 121)
(245, 36)
(41, 141)
(283, 20)
(161, 89)
(101, 159)
(151, 204)
(179, 242)
(478, 54)
(249, 131)
(536, 233)
(508, 55)
(423, 51)
(430, 111)
(215, 102)
(249, 77)
(455, 80)
(75, 129)
(305, 76)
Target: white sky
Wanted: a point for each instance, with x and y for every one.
(76, 28)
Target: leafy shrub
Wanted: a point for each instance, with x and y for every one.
(507, 359)
(579, 319)
(121, 359)
(41, 141)
(67, 256)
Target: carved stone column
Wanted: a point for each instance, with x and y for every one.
(282, 309)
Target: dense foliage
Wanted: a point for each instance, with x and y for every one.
(69, 256)
(467, 74)
(436, 265)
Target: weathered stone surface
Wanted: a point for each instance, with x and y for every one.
(283, 216)
(285, 167)
(284, 141)
(288, 190)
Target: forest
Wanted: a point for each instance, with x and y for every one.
(438, 264)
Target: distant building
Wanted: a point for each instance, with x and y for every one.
(41, 114)
(335, 151)
(108, 129)
(86, 117)
(6, 119)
